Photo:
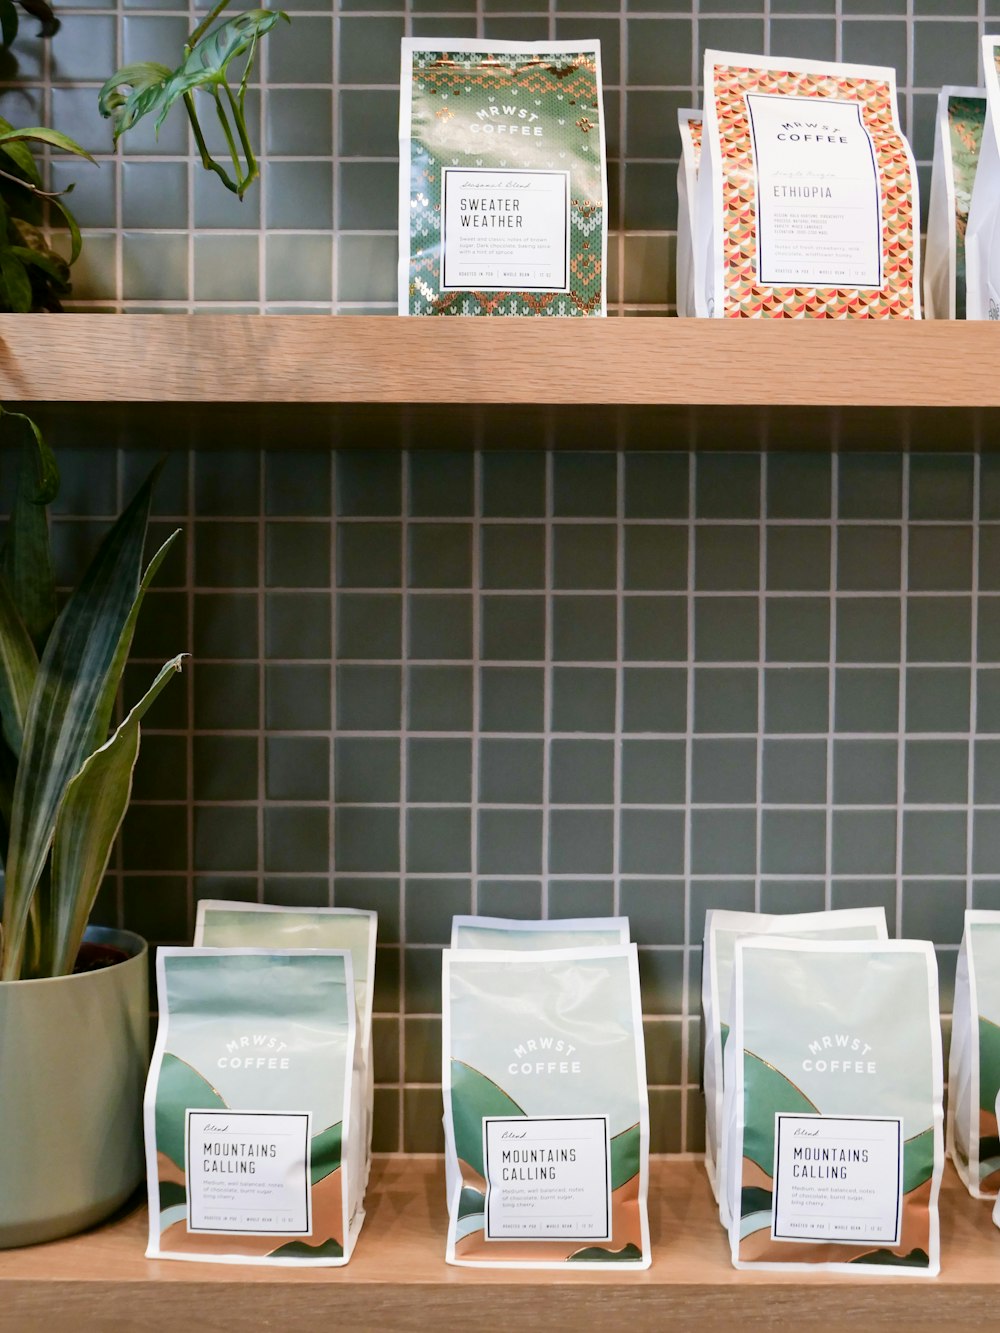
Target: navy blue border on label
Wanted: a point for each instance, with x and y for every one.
(248, 1231)
(847, 1120)
(502, 171)
(813, 282)
(537, 1120)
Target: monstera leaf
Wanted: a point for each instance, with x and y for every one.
(151, 89)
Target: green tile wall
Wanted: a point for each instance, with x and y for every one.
(318, 233)
(561, 684)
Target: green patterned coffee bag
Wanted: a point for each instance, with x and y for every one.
(961, 114)
(503, 178)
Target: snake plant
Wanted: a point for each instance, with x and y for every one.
(65, 771)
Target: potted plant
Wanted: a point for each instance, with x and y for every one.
(73, 1001)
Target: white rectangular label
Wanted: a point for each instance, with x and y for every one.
(504, 230)
(837, 1178)
(818, 199)
(248, 1171)
(547, 1177)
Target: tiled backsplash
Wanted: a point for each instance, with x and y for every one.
(564, 683)
(319, 232)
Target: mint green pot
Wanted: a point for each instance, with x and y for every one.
(73, 1058)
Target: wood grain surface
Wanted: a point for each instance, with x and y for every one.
(370, 359)
(398, 1279)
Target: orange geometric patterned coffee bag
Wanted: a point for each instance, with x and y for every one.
(808, 203)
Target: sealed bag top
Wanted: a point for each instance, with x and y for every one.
(248, 1105)
(223, 924)
(809, 191)
(545, 1107)
(495, 932)
(503, 182)
(838, 1103)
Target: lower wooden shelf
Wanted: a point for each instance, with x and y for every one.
(398, 1278)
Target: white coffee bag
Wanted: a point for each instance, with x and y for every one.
(689, 124)
(982, 238)
(974, 1063)
(958, 133)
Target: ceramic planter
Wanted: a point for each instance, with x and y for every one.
(73, 1058)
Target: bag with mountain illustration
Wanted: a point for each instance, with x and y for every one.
(974, 1063)
(832, 1110)
(502, 178)
(249, 1116)
(223, 924)
(546, 1113)
(497, 932)
(690, 126)
(807, 193)
(982, 236)
(961, 114)
(722, 930)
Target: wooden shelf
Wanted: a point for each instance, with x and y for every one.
(664, 383)
(398, 1279)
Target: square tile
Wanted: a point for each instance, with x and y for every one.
(725, 699)
(438, 842)
(440, 555)
(512, 628)
(440, 626)
(581, 772)
(510, 842)
(865, 772)
(723, 772)
(654, 699)
(655, 629)
(652, 842)
(653, 772)
(439, 698)
(656, 485)
(585, 555)
(798, 629)
(581, 842)
(511, 699)
(513, 555)
(726, 629)
(511, 772)
(656, 557)
(794, 772)
(726, 559)
(438, 769)
(369, 555)
(798, 558)
(365, 769)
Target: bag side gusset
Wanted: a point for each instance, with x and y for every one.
(974, 1064)
(982, 237)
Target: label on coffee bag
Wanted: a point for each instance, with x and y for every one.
(547, 1177)
(505, 229)
(837, 1178)
(819, 217)
(248, 1171)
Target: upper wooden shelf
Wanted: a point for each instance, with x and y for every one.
(365, 360)
(398, 1279)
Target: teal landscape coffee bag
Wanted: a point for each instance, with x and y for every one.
(546, 1113)
(974, 1064)
(503, 179)
(832, 1147)
(722, 930)
(251, 1140)
(223, 924)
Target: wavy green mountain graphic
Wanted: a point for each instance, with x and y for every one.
(766, 1090)
(989, 1063)
(180, 1088)
(474, 1096)
(326, 1150)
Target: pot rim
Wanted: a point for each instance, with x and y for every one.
(132, 944)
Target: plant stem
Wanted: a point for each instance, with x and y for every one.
(227, 131)
(206, 23)
(241, 127)
(207, 160)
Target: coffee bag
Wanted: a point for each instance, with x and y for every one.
(982, 237)
(722, 930)
(503, 179)
(546, 1114)
(958, 133)
(833, 1107)
(223, 924)
(689, 124)
(249, 1114)
(974, 1063)
(807, 193)
(495, 932)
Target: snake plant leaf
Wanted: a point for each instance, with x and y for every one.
(89, 818)
(18, 668)
(75, 673)
(27, 558)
